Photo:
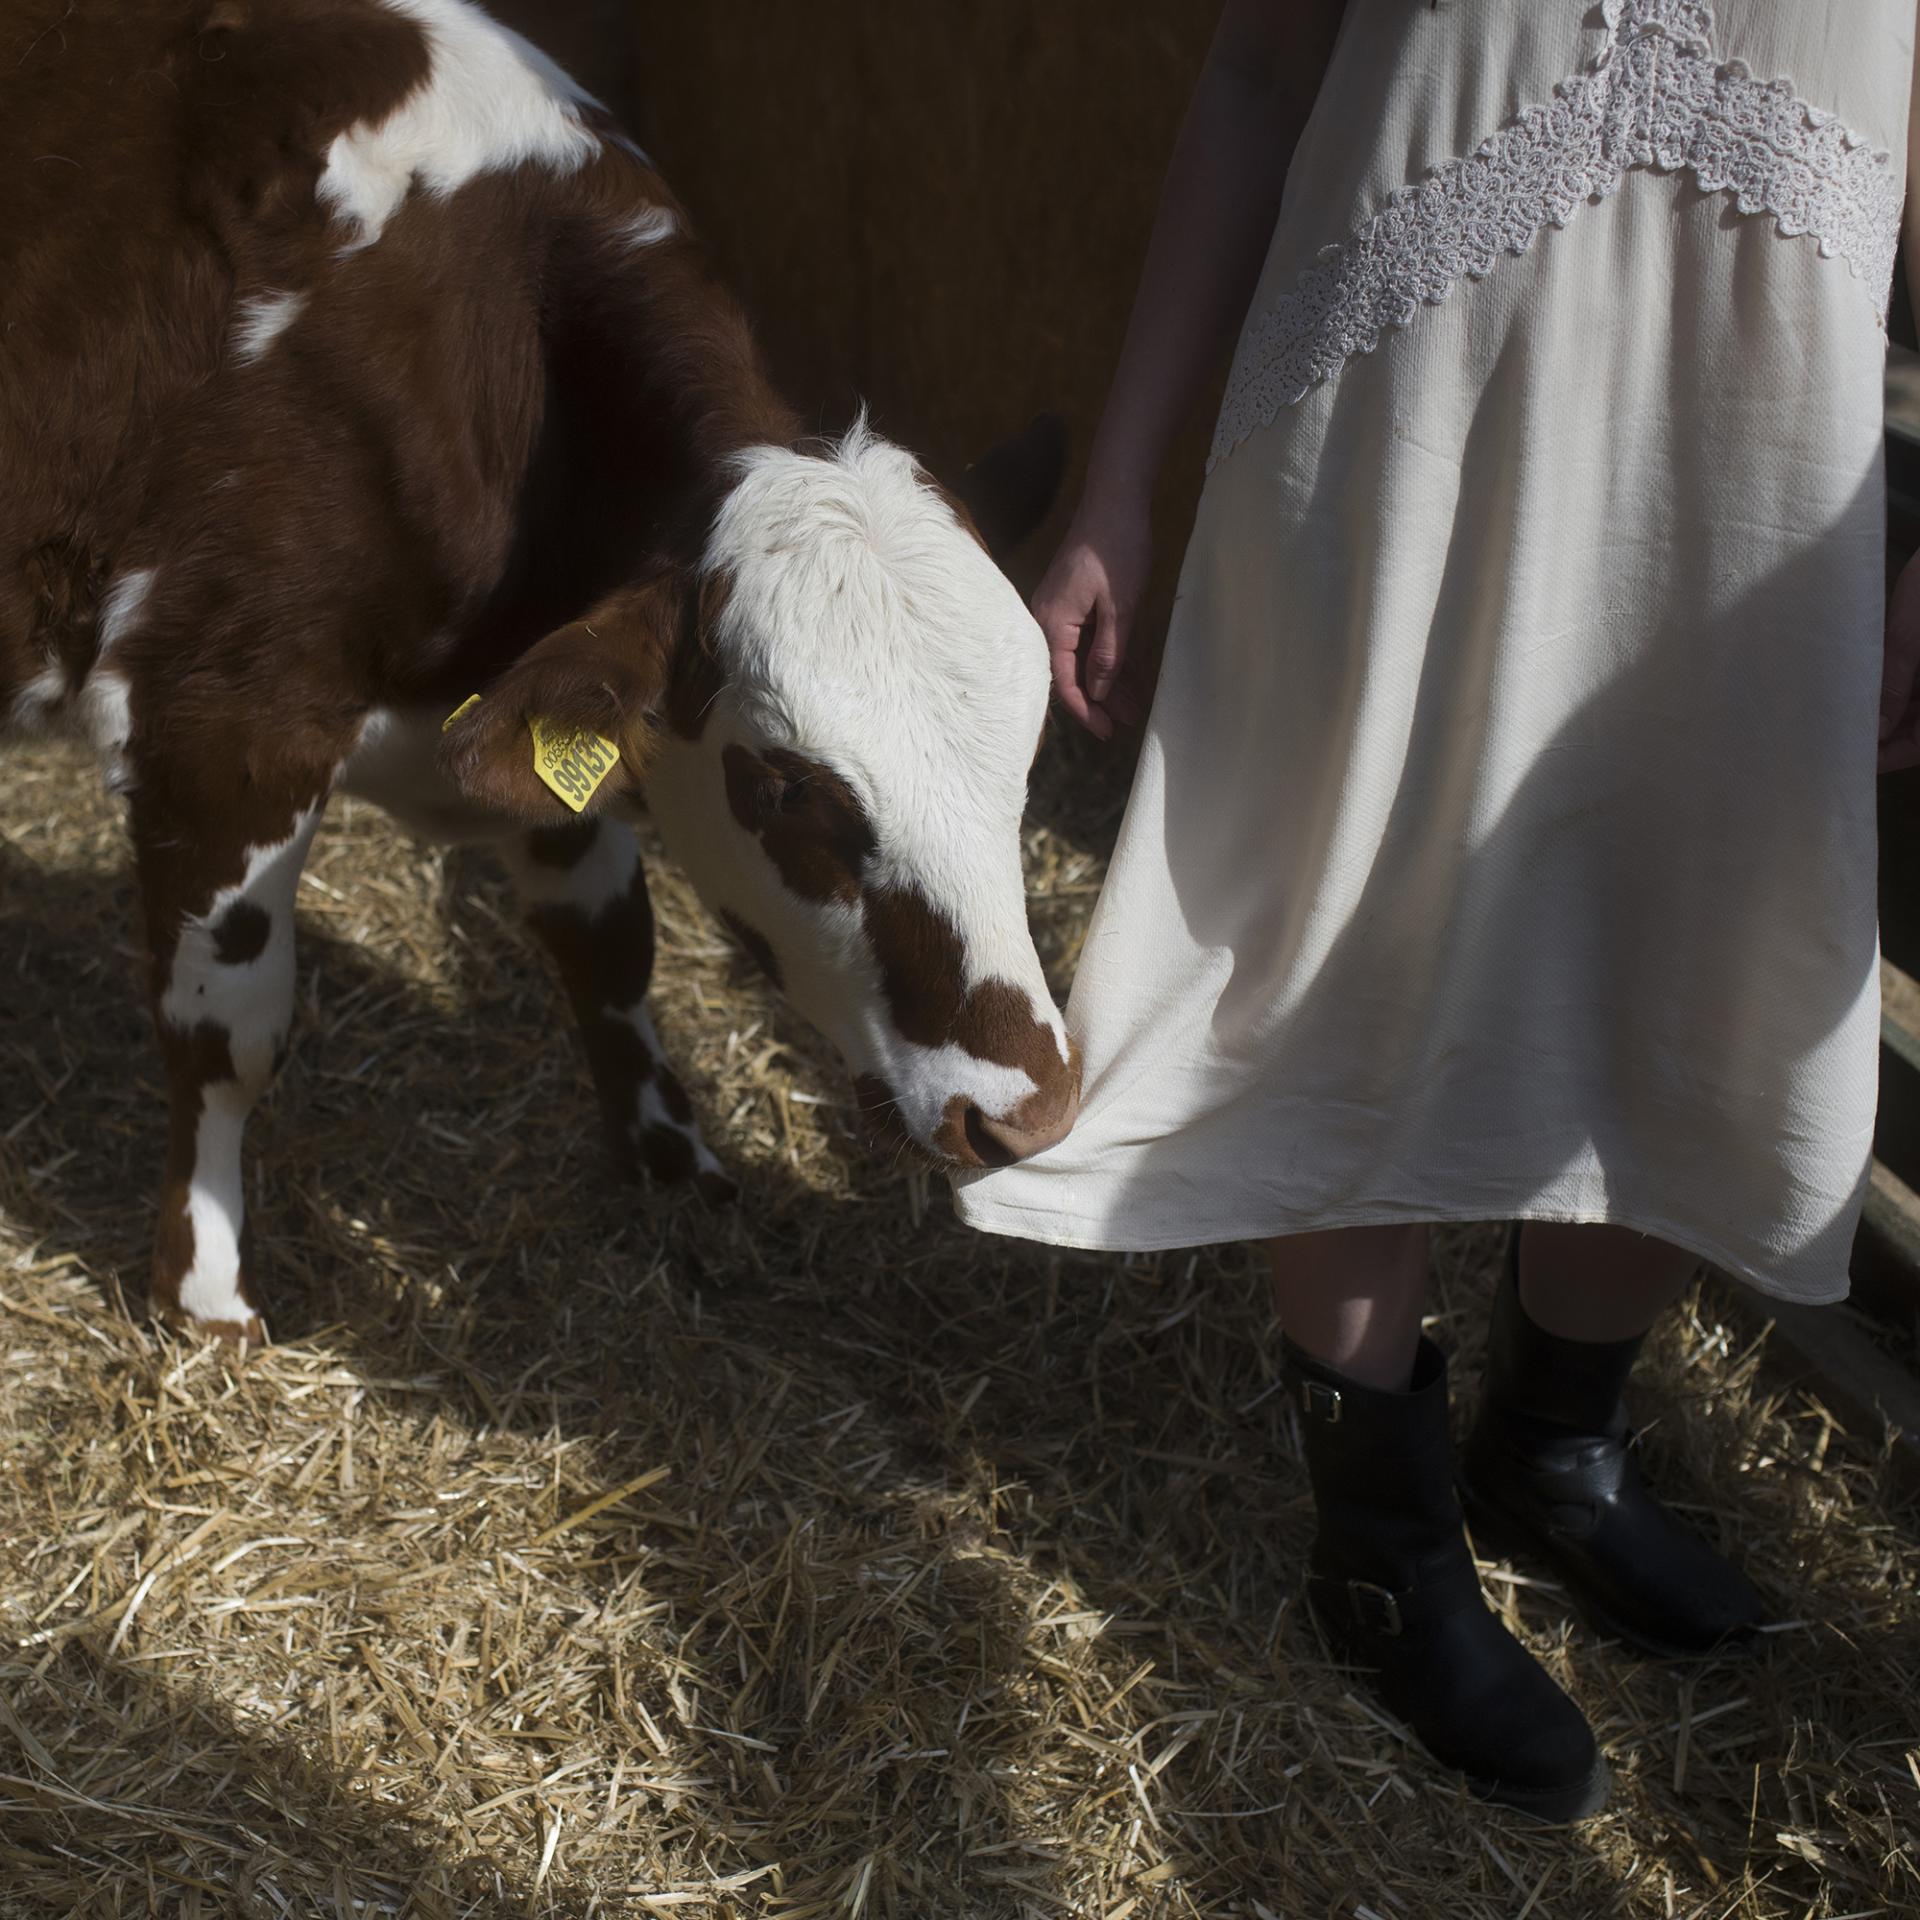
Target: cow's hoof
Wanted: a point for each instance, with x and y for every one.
(716, 1188)
(676, 1156)
(243, 1336)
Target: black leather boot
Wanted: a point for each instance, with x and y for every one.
(1549, 1470)
(1394, 1589)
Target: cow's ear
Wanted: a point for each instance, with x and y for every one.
(1010, 489)
(569, 725)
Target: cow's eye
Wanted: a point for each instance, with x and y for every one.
(773, 796)
(808, 820)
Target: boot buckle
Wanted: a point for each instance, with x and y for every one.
(1320, 1400)
(1377, 1608)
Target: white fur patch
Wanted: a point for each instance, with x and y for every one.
(259, 321)
(641, 1021)
(100, 709)
(34, 703)
(602, 875)
(252, 1000)
(393, 765)
(491, 102)
(650, 228)
(924, 1079)
(105, 709)
(653, 1113)
(122, 606)
(210, 1288)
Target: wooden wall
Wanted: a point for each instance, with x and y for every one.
(934, 206)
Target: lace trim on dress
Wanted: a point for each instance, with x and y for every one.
(1654, 97)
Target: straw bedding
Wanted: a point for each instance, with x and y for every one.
(581, 1551)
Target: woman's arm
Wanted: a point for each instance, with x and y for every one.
(1899, 710)
(1217, 212)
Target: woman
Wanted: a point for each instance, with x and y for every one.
(1503, 840)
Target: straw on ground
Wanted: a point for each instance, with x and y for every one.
(581, 1551)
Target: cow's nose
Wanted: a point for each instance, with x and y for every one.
(1001, 1142)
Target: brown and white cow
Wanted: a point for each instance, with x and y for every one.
(353, 364)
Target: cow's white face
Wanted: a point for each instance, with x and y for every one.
(849, 793)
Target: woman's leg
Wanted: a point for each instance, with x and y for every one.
(1598, 1283)
(1352, 1297)
(1391, 1580)
(1550, 1467)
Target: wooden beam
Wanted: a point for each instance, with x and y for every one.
(1829, 1351)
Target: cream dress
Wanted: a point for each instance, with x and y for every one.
(1503, 839)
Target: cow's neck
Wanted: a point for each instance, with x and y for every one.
(654, 385)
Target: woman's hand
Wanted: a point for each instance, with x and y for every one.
(1086, 606)
(1217, 209)
(1899, 694)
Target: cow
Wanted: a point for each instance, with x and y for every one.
(373, 421)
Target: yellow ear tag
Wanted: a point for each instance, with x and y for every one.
(573, 764)
(466, 706)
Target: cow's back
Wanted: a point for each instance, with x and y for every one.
(157, 154)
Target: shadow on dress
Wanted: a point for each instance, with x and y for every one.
(1520, 980)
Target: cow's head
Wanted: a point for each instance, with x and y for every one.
(841, 709)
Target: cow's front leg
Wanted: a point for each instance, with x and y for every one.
(584, 892)
(217, 873)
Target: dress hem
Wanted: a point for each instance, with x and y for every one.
(1054, 1228)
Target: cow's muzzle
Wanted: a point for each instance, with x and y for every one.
(968, 1137)
(1042, 1120)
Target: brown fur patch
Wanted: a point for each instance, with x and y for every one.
(698, 676)
(922, 968)
(808, 819)
(172, 1251)
(998, 1023)
(605, 960)
(241, 934)
(922, 964)
(484, 424)
(642, 653)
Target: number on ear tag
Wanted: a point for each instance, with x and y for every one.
(573, 763)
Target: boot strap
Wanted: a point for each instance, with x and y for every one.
(1391, 1611)
(1604, 1474)
(1320, 1400)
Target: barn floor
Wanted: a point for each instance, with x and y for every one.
(583, 1551)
